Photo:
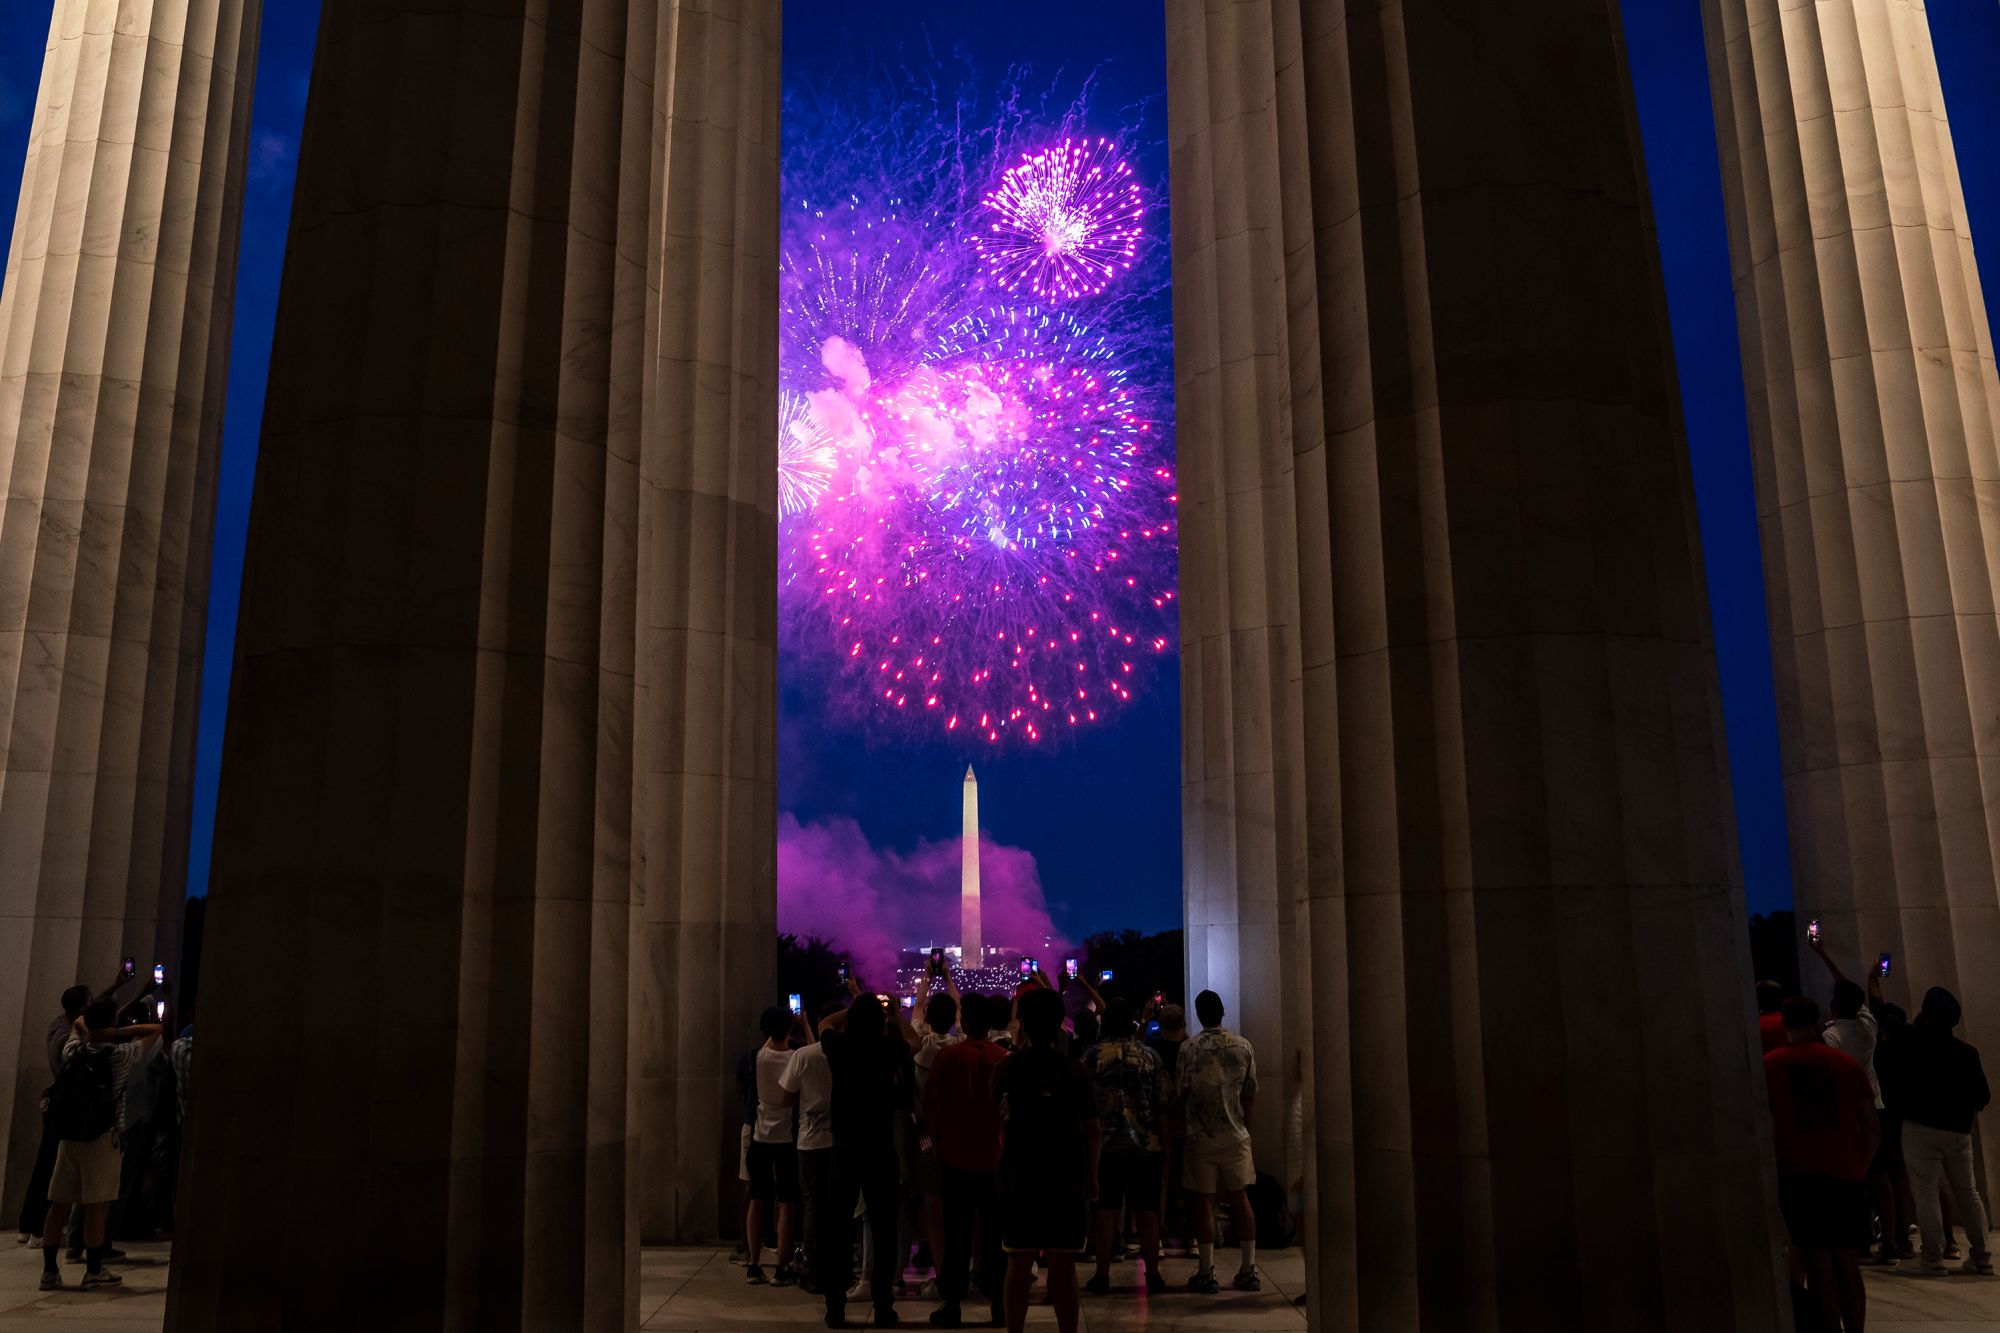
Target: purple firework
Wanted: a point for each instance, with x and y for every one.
(1065, 221)
(1009, 563)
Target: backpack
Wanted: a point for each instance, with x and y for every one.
(1276, 1228)
(83, 1104)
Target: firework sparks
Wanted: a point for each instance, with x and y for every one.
(1066, 221)
(806, 458)
(978, 533)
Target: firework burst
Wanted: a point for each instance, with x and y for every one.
(1065, 221)
(806, 458)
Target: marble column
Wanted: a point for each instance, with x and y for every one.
(497, 370)
(114, 362)
(1451, 719)
(1875, 429)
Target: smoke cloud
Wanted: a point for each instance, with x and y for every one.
(872, 902)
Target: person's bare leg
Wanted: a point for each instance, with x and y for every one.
(788, 1232)
(1820, 1282)
(1062, 1291)
(1149, 1238)
(95, 1215)
(1848, 1290)
(1020, 1281)
(1244, 1222)
(55, 1224)
(753, 1234)
(1102, 1223)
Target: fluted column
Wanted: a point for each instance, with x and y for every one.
(1875, 426)
(706, 735)
(1450, 679)
(421, 992)
(114, 343)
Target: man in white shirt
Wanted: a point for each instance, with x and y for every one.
(808, 1080)
(87, 1112)
(774, 1165)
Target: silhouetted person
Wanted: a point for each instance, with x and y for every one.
(809, 1079)
(774, 1162)
(1218, 1086)
(873, 1085)
(35, 1206)
(1896, 1206)
(1825, 1132)
(1048, 1160)
(87, 1108)
(1770, 1023)
(1938, 1086)
(962, 1113)
(1131, 1089)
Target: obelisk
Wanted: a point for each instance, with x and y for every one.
(969, 952)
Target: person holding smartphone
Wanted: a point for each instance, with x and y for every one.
(35, 1207)
(87, 1110)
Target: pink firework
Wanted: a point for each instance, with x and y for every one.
(1010, 568)
(1066, 221)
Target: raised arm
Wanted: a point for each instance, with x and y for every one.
(1818, 946)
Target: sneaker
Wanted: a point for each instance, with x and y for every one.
(1977, 1267)
(948, 1315)
(51, 1281)
(1100, 1285)
(929, 1291)
(1246, 1281)
(100, 1279)
(755, 1272)
(783, 1276)
(72, 1256)
(738, 1255)
(861, 1291)
(1204, 1284)
(1155, 1284)
(27, 1239)
(1920, 1268)
(1951, 1252)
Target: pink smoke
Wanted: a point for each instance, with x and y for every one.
(874, 902)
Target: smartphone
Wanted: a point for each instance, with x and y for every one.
(1105, 975)
(159, 974)
(1159, 998)
(1882, 965)
(131, 966)
(1812, 930)
(1034, 964)
(843, 974)
(937, 960)
(1069, 968)
(160, 1011)
(1027, 968)
(793, 1001)
(909, 1001)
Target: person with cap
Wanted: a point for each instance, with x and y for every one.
(1936, 1085)
(1130, 1084)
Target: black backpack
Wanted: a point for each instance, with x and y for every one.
(83, 1105)
(1276, 1227)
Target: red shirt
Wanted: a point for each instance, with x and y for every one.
(1771, 1027)
(1820, 1102)
(960, 1113)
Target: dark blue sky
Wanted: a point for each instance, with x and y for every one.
(1103, 819)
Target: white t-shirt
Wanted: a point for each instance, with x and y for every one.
(774, 1118)
(809, 1079)
(1855, 1038)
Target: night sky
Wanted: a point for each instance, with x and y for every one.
(1101, 817)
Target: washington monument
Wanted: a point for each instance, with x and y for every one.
(969, 952)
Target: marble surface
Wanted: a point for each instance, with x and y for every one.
(697, 1290)
(115, 322)
(1458, 853)
(1875, 433)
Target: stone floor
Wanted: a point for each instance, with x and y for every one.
(700, 1291)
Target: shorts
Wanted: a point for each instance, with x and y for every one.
(743, 1156)
(1130, 1179)
(774, 1172)
(86, 1170)
(1824, 1213)
(1219, 1166)
(1032, 1223)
